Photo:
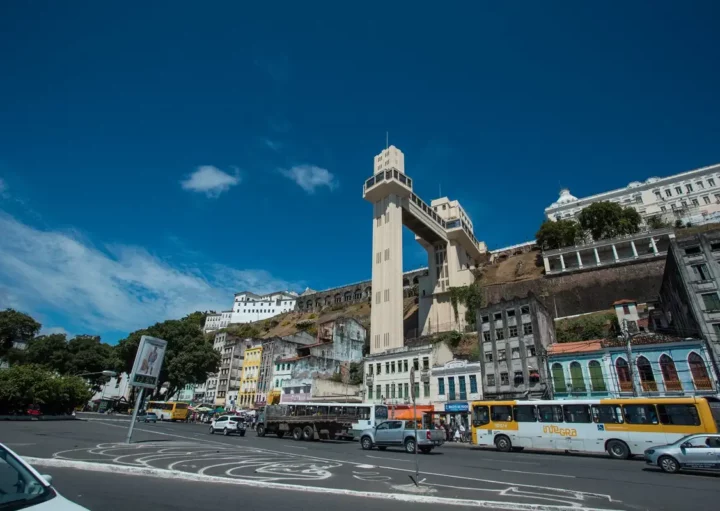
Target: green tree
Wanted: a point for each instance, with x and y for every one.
(188, 358)
(89, 355)
(655, 222)
(605, 220)
(50, 352)
(588, 327)
(197, 317)
(23, 385)
(559, 234)
(16, 327)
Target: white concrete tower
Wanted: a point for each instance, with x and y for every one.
(387, 190)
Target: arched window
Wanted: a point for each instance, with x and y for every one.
(597, 382)
(623, 375)
(700, 375)
(309, 304)
(558, 376)
(647, 377)
(338, 298)
(670, 374)
(348, 296)
(577, 378)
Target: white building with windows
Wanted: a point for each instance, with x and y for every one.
(249, 307)
(387, 374)
(217, 320)
(455, 385)
(689, 197)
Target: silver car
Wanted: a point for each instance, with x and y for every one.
(699, 451)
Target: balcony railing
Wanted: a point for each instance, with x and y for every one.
(626, 386)
(649, 386)
(387, 175)
(703, 384)
(673, 385)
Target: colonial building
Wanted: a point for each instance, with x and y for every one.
(274, 349)
(249, 307)
(513, 336)
(689, 294)
(660, 366)
(387, 374)
(455, 385)
(689, 196)
(250, 375)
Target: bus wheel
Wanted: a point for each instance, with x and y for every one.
(297, 433)
(308, 433)
(503, 444)
(618, 450)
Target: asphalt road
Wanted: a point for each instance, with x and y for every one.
(510, 481)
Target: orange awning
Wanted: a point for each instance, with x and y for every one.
(405, 414)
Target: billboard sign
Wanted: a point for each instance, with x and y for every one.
(148, 362)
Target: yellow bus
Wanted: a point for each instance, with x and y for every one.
(169, 410)
(620, 427)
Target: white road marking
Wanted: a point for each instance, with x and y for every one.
(537, 473)
(297, 447)
(421, 499)
(389, 459)
(517, 485)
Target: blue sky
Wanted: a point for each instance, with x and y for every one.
(155, 159)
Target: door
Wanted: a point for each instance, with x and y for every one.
(220, 423)
(382, 433)
(700, 452)
(396, 431)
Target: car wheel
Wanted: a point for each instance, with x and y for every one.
(366, 443)
(297, 433)
(503, 444)
(226, 432)
(618, 450)
(668, 464)
(212, 430)
(410, 445)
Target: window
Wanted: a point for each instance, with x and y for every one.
(695, 202)
(558, 376)
(387, 390)
(512, 331)
(416, 364)
(706, 199)
(668, 193)
(607, 414)
(711, 182)
(501, 413)
(416, 389)
(377, 297)
(510, 313)
(405, 366)
(701, 271)
(370, 369)
(486, 337)
(378, 258)
(679, 415)
(441, 386)
(499, 334)
(426, 389)
(480, 415)
(525, 309)
(497, 316)
(640, 414)
(501, 355)
(399, 389)
(406, 386)
(426, 363)
(387, 295)
(550, 413)
(700, 185)
(370, 392)
(678, 190)
(715, 246)
(384, 425)
(387, 254)
(392, 367)
(530, 350)
(658, 195)
(525, 413)
(711, 301)
(576, 377)
(473, 384)
(663, 208)
(378, 365)
(597, 381)
(516, 352)
(504, 379)
(484, 319)
(392, 391)
(692, 250)
(488, 357)
(689, 188)
(387, 367)
(527, 328)
(378, 391)
(684, 203)
(579, 414)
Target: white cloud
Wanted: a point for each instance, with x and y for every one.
(310, 177)
(120, 288)
(210, 180)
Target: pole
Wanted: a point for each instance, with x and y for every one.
(102, 394)
(134, 415)
(417, 462)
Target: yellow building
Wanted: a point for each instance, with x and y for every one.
(249, 380)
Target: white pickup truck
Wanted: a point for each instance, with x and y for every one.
(401, 433)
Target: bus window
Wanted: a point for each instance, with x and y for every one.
(577, 414)
(364, 413)
(607, 414)
(550, 413)
(501, 413)
(481, 415)
(525, 413)
(322, 410)
(336, 410)
(640, 414)
(181, 406)
(349, 410)
(679, 415)
(381, 413)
